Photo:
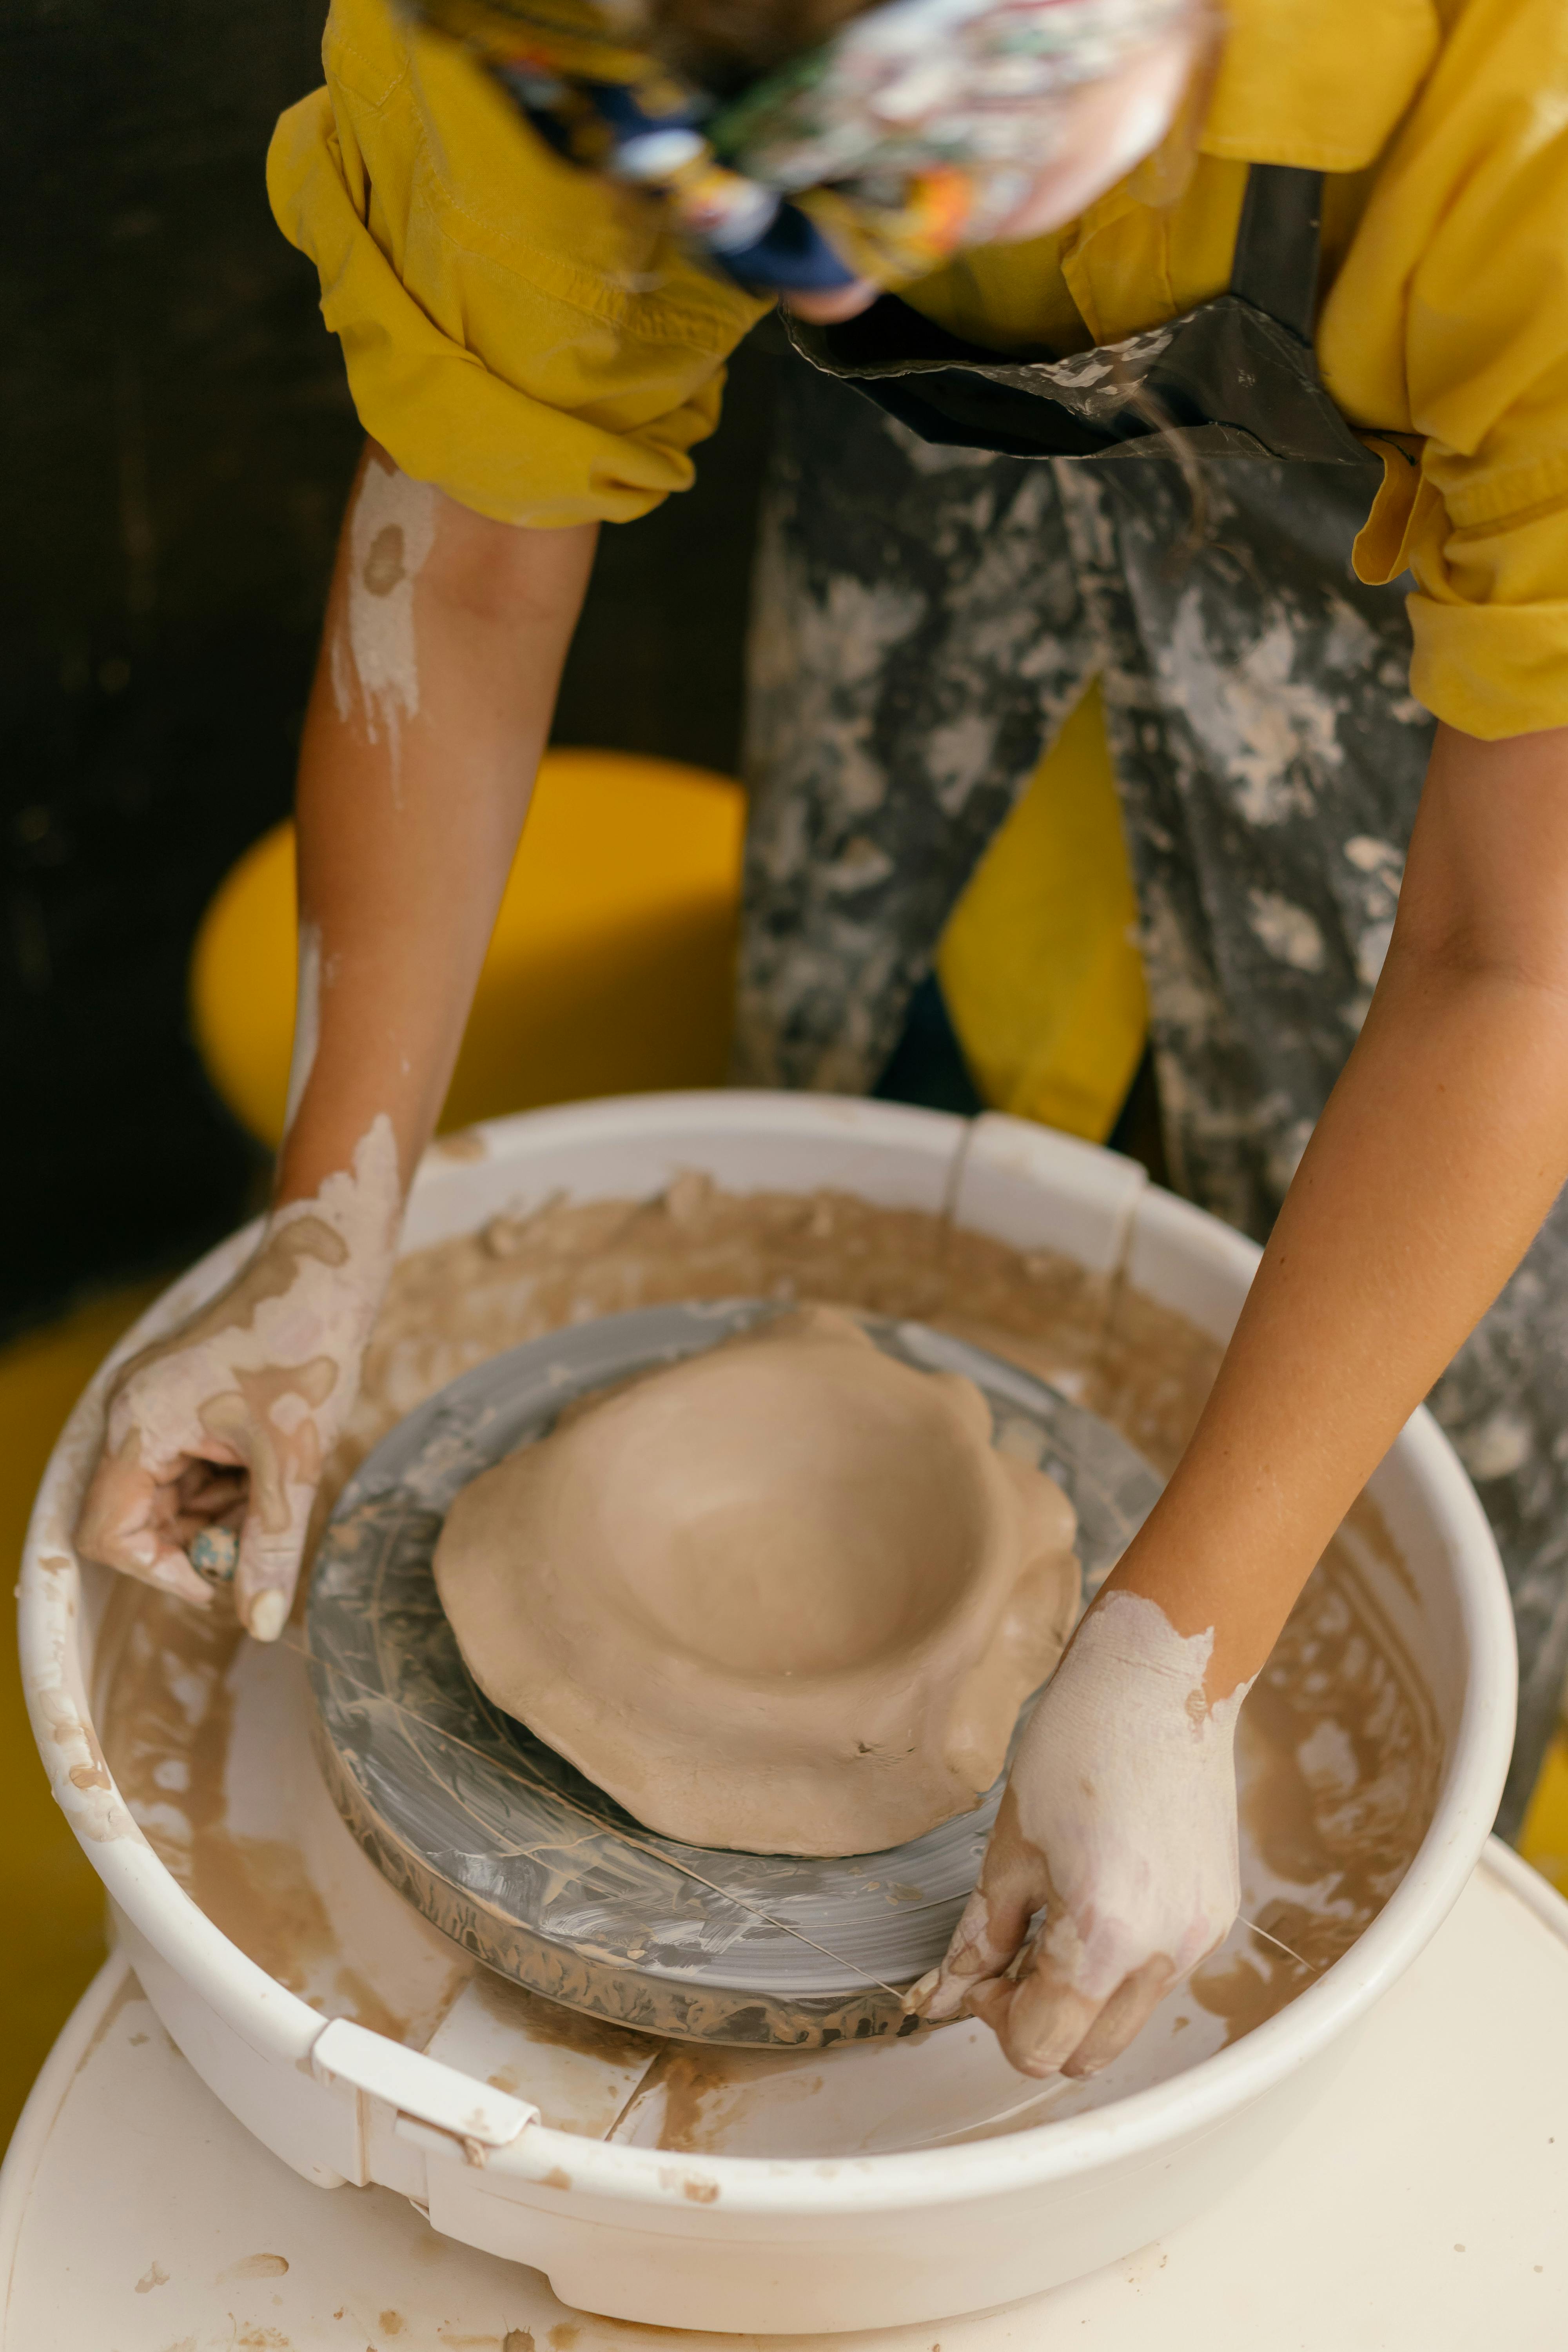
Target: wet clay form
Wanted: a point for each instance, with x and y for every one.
(784, 1597)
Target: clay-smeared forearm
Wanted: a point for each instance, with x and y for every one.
(446, 635)
(440, 666)
(1434, 1161)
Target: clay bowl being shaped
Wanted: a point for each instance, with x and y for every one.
(785, 1597)
(529, 1862)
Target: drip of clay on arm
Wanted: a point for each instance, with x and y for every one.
(1434, 1161)
(445, 634)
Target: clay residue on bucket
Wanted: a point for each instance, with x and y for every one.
(1338, 1756)
(166, 1716)
(707, 2098)
(1338, 1751)
(454, 1304)
(168, 1676)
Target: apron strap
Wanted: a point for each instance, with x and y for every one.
(1275, 264)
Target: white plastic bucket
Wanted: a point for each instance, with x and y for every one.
(784, 2245)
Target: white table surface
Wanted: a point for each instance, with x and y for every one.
(1424, 2204)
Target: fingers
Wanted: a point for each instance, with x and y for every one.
(989, 1933)
(1014, 1883)
(1039, 2019)
(271, 1545)
(1035, 2003)
(205, 1492)
(1046, 2025)
(125, 1523)
(1125, 2014)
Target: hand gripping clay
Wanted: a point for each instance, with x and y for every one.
(784, 1597)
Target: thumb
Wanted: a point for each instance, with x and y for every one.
(271, 1546)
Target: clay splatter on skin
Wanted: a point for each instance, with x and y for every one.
(1156, 1762)
(273, 1409)
(236, 1308)
(375, 655)
(255, 1384)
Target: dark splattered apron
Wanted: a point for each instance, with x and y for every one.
(933, 600)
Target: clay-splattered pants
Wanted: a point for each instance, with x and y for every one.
(926, 619)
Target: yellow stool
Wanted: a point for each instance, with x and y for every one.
(1543, 1840)
(609, 970)
(1039, 963)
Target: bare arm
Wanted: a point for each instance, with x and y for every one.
(432, 703)
(440, 660)
(1436, 1159)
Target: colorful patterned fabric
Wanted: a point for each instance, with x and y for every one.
(916, 128)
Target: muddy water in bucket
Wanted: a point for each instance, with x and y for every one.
(208, 1737)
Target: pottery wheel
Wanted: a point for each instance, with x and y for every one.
(524, 1862)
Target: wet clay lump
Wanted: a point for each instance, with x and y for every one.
(784, 1597)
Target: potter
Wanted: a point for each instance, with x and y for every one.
(1327, 622)
(785, 1597)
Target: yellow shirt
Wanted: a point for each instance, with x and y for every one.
(527, 337)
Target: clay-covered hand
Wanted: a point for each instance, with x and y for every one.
(227, 1422)
(1116, 1838)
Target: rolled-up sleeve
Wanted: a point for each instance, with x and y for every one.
(1466, 242)
(1490, 620)
(515, 330)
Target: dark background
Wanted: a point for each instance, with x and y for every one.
(175, 447)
